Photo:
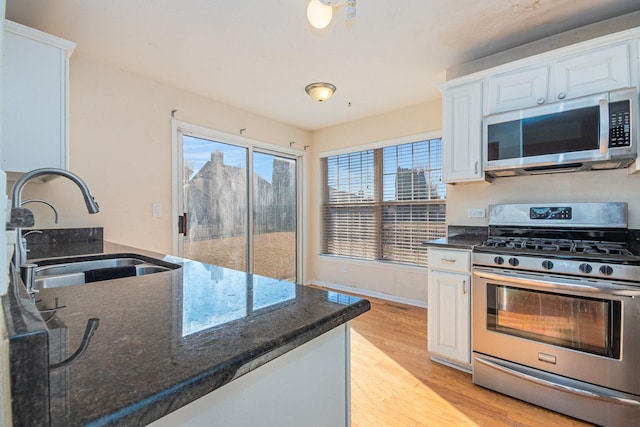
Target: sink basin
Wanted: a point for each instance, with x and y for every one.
(54, 273)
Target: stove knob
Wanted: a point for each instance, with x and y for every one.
(585, 268)
(547, 265)
(498, 260)
(514, 262)
(606, 270)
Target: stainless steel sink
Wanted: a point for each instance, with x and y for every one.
(54, 273)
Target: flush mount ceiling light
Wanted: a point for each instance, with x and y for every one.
(320, 12)
(320, 91)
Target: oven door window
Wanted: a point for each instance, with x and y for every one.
(585, 324)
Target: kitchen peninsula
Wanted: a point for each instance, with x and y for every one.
(251, 348)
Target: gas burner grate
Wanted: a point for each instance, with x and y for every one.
(605, 248)
(558, 245)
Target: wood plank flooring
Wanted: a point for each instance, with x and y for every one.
(394, 383)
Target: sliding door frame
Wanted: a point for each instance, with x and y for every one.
(180, 128)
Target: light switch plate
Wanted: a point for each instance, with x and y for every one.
(156, 209)
(477, 213)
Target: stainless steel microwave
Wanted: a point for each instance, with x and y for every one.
(593, 132)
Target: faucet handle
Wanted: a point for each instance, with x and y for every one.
(20, 217)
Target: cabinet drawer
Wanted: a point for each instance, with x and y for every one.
(446, 259)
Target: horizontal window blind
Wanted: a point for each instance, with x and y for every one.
(383, 204)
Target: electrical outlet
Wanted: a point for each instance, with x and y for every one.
(476, 213)
(343, 269)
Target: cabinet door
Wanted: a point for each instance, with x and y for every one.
(34, 100)
(462, 133)
(599, 70)
(449, 329)
(515, 90)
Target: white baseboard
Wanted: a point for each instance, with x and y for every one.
(368, 293)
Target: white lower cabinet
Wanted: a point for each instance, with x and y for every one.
(308, 386)
(449, 307)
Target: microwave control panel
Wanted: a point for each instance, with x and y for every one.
(619, 124)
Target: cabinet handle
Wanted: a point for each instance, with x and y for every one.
(476, 167)
(562, 95)
(449, 260)
(464, 287)
(541, 101)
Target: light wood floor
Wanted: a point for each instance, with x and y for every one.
(394, 383)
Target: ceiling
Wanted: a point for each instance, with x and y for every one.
(259, 55)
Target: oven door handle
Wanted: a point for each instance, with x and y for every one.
(561, 387)
(560, 284)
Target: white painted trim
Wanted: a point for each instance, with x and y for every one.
(23, 30)
(451, 364)
(176, 160)
(219, 136)
(385, 143)
(368, 293)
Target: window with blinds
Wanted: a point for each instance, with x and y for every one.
(383, 204)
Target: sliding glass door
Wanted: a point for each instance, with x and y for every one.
(239, 207)
(274, 216)
(215, 203)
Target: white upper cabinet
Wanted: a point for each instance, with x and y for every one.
(582, 74)
(462, 133)
(35, 90)
(596, 71)
(517, 89)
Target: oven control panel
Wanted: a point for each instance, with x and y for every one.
(557, 212)
(550, 265)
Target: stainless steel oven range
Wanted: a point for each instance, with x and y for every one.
(556, 309)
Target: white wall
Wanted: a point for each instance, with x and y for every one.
(604, 186)
(401, 283)
(120, 144)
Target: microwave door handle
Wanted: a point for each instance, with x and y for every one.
(603, 146)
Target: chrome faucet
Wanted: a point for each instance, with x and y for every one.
(44, 202)
(16, 200)
(24, 241)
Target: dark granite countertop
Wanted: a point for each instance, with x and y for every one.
(168, 338)
(460, 237)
